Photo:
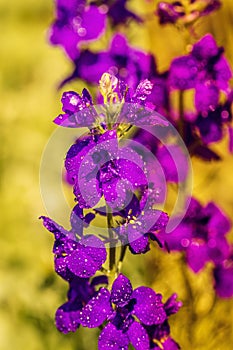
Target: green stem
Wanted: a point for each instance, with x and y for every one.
(122, 255)
(112, 250)
(181, 121)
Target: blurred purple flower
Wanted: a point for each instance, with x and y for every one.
(206, 70)
(201, 235)
(127, 63)
(74, 24)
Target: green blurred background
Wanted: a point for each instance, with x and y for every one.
(30, 291)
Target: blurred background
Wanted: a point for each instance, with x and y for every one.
(30, 291)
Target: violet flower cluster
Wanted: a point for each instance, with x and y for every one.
(102, 170)
(99, 168)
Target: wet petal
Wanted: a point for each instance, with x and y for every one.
(138, 243)
(81, 264)
(94, 247)
(76, 220)
(96, 311)
(138, 336)
(53, 227)
(112, 338)
(60, 264)
(149, 307)
(121, 291)
(66, 318)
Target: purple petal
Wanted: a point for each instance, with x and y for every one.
(76, 220)
(112, 338)
(174, 162)
(81, 264)
(149, 307)
(197, 256)
(90, 31)
(172, 306)
(205, 48)
(60, 264)
(223, 74)
(224, 281)
(96, 311)
(138, 243)
(53, 227)
(99, 280)
(94, 247)
(218, 249)
(183, 73)
(138, 336)
(219, 224)
(206, 97)
(66, 318)
(121, 291)
(178, 239)
(66, 37)
(72, 102)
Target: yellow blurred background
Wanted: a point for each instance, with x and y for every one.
(30, 291)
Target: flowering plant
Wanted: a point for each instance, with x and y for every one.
(121, 167)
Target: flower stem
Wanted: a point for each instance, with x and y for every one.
(181, 114)
(122, 255)
(112, 250)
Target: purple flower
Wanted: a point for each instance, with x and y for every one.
(142, 303)
(98, 167)
(211, 127)
(201, 235)
(78, 110)
(128, 63)
(85, 305)
(139, 228)
(73, 24)
(204, 69)
(75, 254)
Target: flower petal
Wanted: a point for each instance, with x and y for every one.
(138, 336)
(149, 307)
(96, 311)
(112, 338)
(121, 291)
(66, 318)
